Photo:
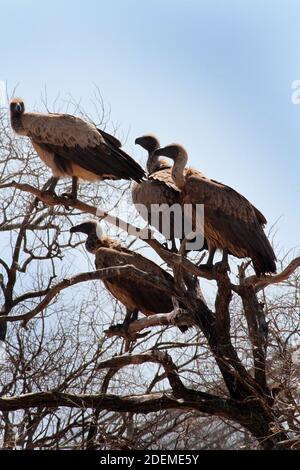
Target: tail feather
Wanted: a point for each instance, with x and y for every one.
(263, 258)
(129, 168)
(183, 328)
(263, 265)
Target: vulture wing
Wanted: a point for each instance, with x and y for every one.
(260, 217)
(232, 219)
(219, 197)
(164, 175)
(110, 138)
(130, 292)
(75, 140)
(159, 188)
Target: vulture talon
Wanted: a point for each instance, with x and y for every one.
(170, 250)
(69, 196)
(206, 266)
(49, 192)
(132, 291)
(221, 267)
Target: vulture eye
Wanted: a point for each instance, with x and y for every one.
(18, 107)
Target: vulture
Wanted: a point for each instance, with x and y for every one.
(159, 188)
(231, 222)
(135, 296)
(73, 147)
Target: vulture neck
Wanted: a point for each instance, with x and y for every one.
(155, 163)
(178, 169)
(16, 124)
(152, 162)
(93, 243)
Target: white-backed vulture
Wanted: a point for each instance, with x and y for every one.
(231, 222)
(135, 296)
(159, 188)
(72, 147)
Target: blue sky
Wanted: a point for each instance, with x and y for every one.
(213, 75)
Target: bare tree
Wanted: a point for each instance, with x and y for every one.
(66, 382)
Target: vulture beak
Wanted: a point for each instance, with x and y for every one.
(170, 151)
(81, 228)
(17, 106)
(148, 142)
(160, 152)
(89, 228)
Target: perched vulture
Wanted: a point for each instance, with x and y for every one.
(73, 147)
(231, 222)
(159, 188)
(135, 296)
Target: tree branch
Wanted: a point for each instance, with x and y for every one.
(261, 282)
(100, 274)
(160, 319)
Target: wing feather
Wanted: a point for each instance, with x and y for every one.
(219, 197)
(80, 142)
(232, 220)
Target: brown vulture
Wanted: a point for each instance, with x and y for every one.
(231, 222)
(135, 296)
(158, 189)
(72, 147)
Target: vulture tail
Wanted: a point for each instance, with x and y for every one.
(183, 328)
(127, 167)
(264, 257)
(263, 265)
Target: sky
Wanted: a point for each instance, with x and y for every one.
(214, 75)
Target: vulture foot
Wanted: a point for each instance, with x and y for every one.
(122, 329)
(69, 196)
(223, 266)
(49, 192)
(206, 266)
(73, 194)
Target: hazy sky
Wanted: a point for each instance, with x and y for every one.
(213, 75)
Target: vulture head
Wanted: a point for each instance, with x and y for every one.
(172, 151)
(16, 107)
(177, 153)
(92, 228)
(148, 142)
(151, 143)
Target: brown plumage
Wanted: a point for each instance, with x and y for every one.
(135, 296)
(159, 188)
(70, 146)
(231, 222)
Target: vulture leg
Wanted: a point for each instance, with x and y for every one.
(74, 187)
(73, 193)
(49, 188)
(173, 248)
(224, 262)
(131, 316)
(173, 244)
(209, 263)
(211, 257)
(223, 265)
